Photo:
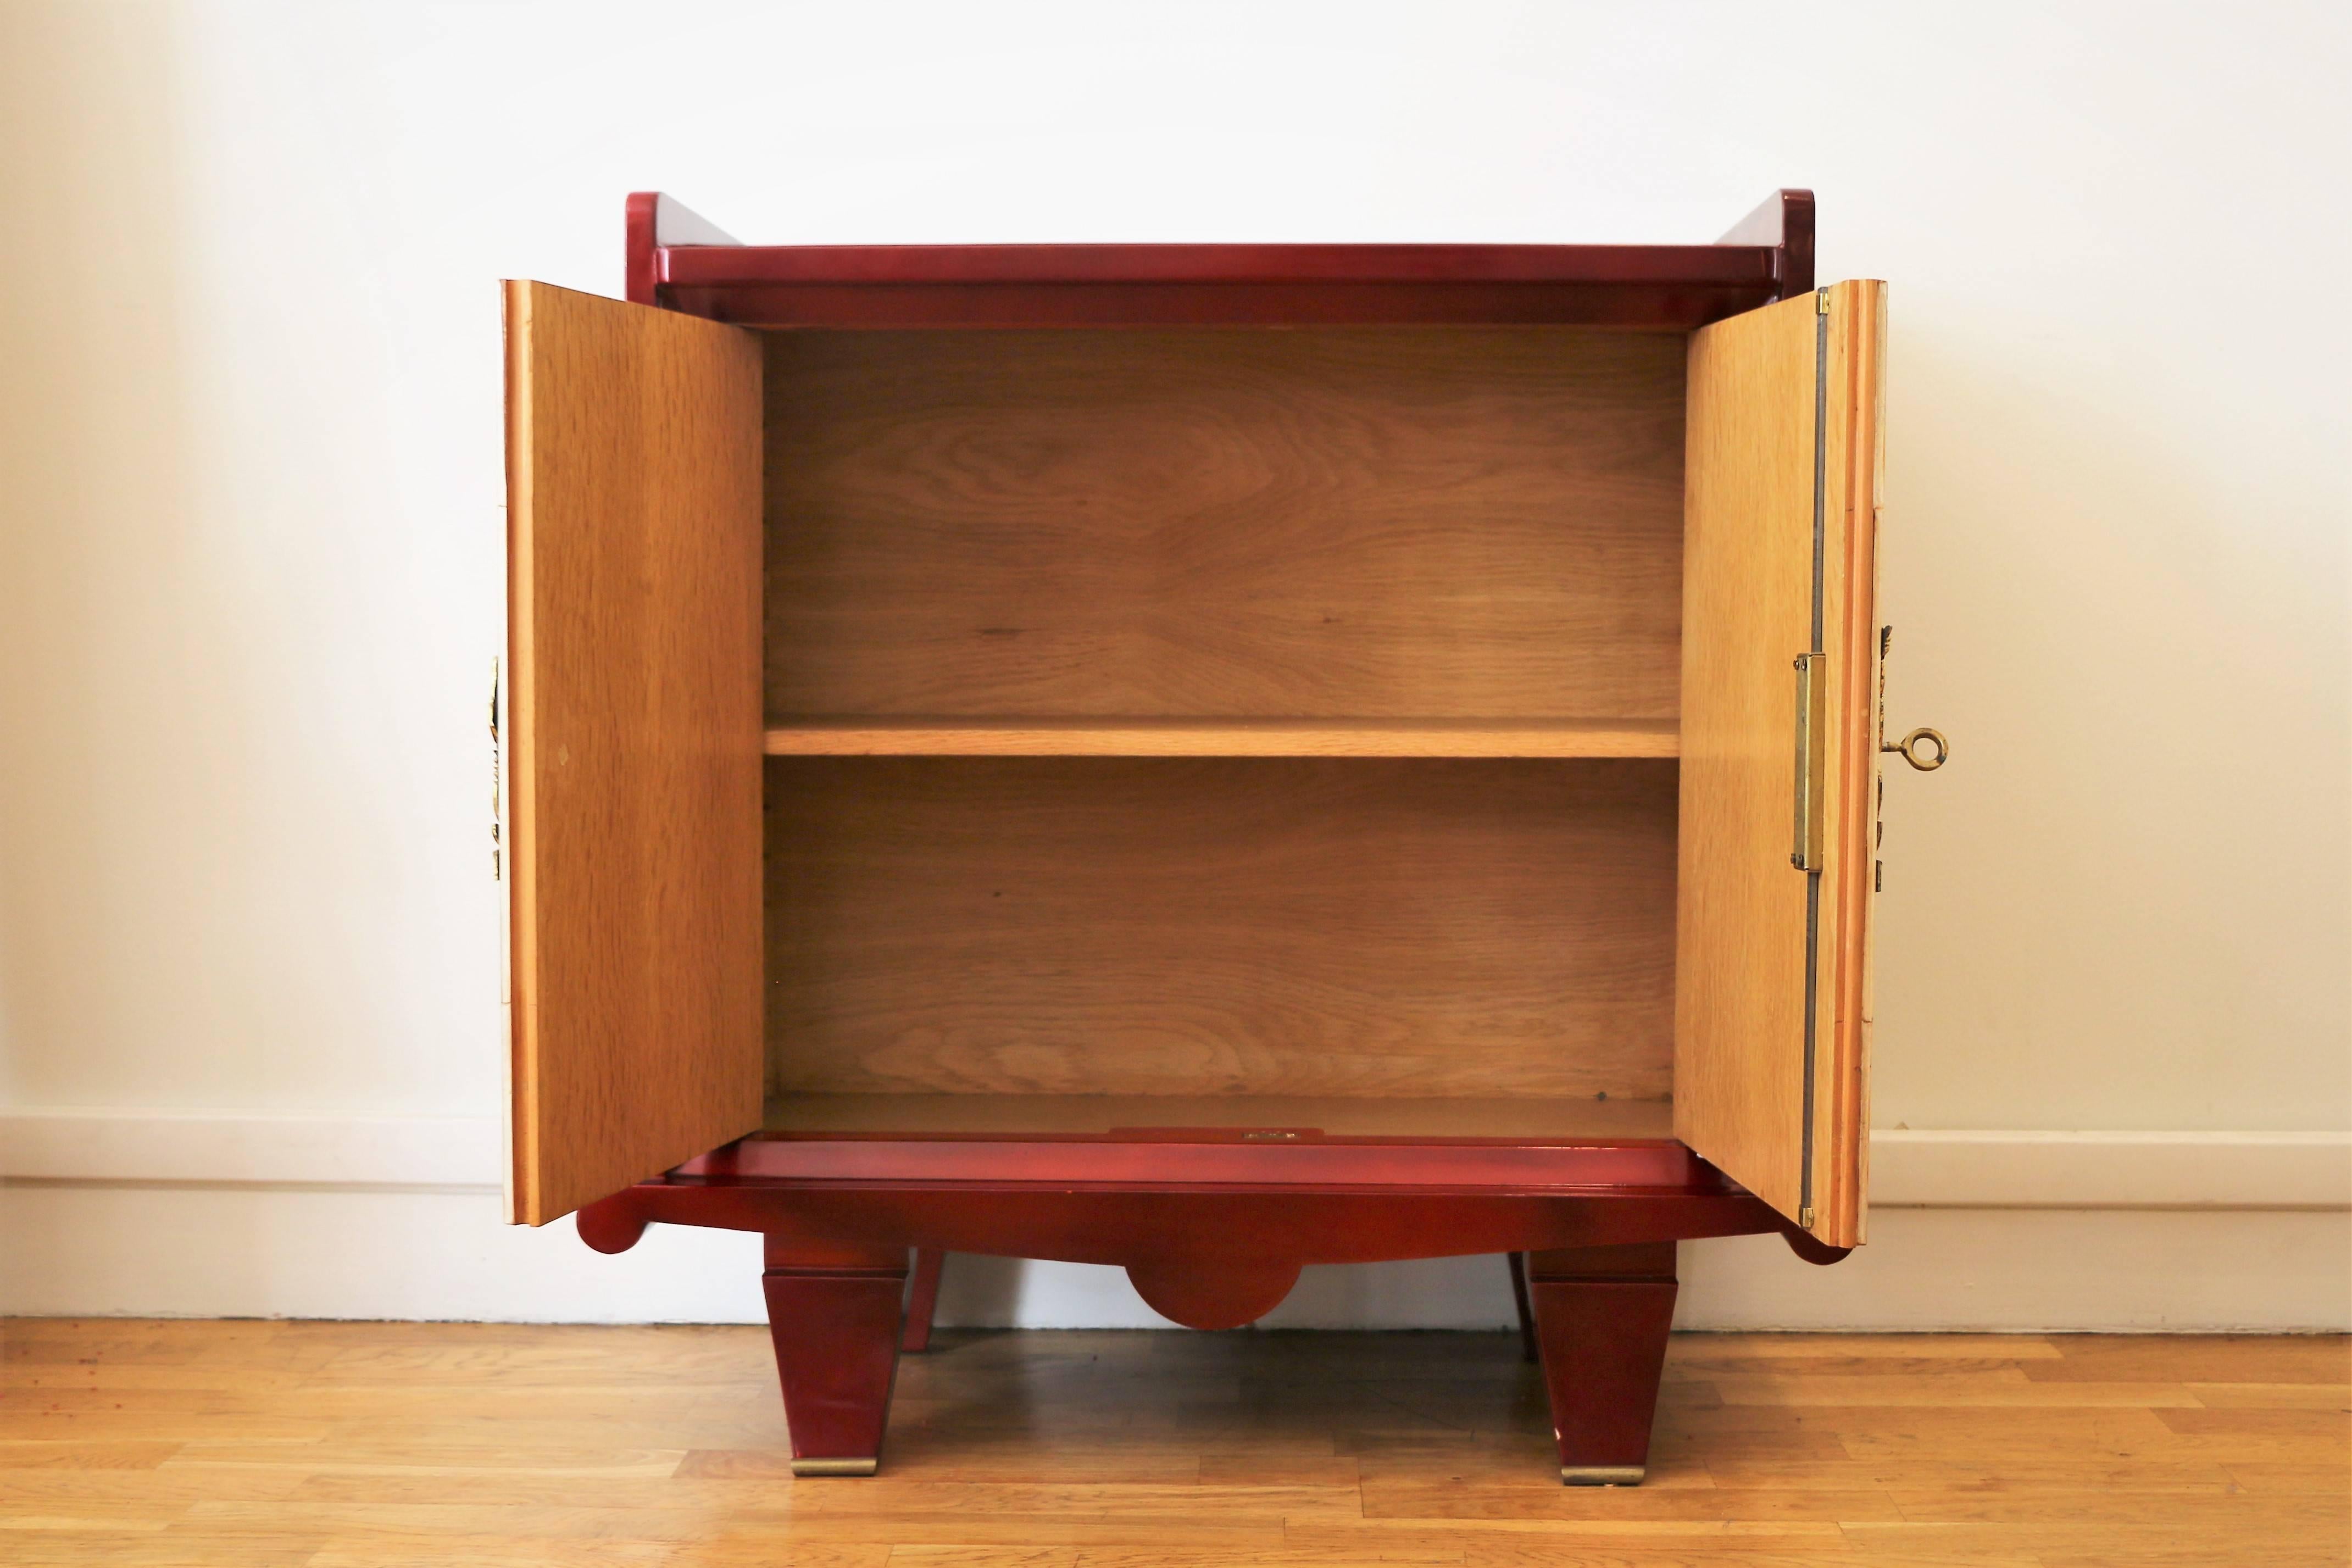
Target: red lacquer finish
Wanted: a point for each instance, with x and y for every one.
(655, 224)
(1141, 1225)
(1674, 287)
(1814, 1252)
(834, 1314)
(1601, 1274)
(923, 1296)
(1602, 1315)
(1785, 223)
(1529, 1350)
(922, 1299)
(1084, 1162)
(1228, 1287)
(641, 270)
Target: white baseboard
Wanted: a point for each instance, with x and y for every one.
(1962, 1168)
(240, 1148)
(1981, 1168)
(93, 1248)
(178, 1213)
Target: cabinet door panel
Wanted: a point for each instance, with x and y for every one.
(1781, 477)
(634, 538)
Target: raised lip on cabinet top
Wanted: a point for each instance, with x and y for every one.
(709, 266)
(678, 259)
(1061, 737)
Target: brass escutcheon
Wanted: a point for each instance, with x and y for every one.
(1909, 750)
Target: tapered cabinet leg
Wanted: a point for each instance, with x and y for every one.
(922, 1299)
(1602, 1318)
(1527, 1350)
(835, 1316)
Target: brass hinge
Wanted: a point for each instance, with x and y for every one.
(1805, 1218)
(497, 692)
(1812, 760)
(1820, 303)
(497, 829)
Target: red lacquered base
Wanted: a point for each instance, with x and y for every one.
(1212, 1232)
(922, 1299)
(834, 1314)
(1601, 1314)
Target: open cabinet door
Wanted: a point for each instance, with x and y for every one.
(1780, 752)
(633, 729)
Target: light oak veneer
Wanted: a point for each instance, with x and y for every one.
(995, 1115)
(1332, 926)
(1741, 989)
(1352, 523)
(634, 716)
(947, 737)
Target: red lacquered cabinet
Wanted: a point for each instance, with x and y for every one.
(1207, 759)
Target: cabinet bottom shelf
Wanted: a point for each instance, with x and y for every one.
(1265, 1116)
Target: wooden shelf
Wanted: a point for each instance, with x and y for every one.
(1068, 1115)
(956, 737)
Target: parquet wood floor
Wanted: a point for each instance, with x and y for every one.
(311, 1445)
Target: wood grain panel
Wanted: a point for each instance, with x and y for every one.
(1321, 523)
(1000, 1115)
(937, 737)
(1358, 927)
(1739, 999)
(633, 463)
(1740, 1067)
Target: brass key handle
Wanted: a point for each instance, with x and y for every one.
(1909, 748)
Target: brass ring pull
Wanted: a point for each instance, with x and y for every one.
(1908, 746)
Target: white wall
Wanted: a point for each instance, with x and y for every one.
(250, 550)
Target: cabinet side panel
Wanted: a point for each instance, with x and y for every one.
(1354, 927)
(634, 463)
(1742, 906)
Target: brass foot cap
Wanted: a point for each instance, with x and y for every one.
(835, 1467)
(1603, 1475)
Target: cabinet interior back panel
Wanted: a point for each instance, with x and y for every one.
(1364, 522)
(1221, 926)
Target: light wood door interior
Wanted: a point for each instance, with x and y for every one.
(1374, 928)
(1783, 478)
(1396, 529)
(633, 517)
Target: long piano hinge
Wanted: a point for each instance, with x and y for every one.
(498, 770)
(1812, 760)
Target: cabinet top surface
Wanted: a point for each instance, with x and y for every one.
(706, 265)
(677, 260)
(1658, 287)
